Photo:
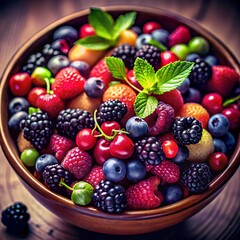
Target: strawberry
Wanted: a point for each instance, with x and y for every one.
(59, 146)
(100, 70)
(180, 35)
(68, 83)
(144, 194)
(95, 176)
(167, 171)
(223, 80)
(121, 92)
(78, 162)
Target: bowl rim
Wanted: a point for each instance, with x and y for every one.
(12, 155)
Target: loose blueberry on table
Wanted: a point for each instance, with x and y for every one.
(125, 117)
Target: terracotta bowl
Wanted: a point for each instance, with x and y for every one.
(129, 222)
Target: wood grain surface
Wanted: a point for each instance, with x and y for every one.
(19, 20)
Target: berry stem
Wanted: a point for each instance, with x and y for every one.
(47, 81)
(231, 100)
(62, 183)
(132, 86)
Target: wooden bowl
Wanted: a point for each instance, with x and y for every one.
(129, 222)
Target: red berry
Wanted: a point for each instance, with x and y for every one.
(213, 103)
(168, 57)
(170, 148)
(95, 176)
(108, 126)
(86, 30)
(151, 26)
(167, 136)
(101, 151)
(86, 139)
(20, 84)
(132, 79)
(180, 35)
(218, 161)
(34, 94)
(233, 117)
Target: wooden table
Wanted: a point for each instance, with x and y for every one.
(19, 20)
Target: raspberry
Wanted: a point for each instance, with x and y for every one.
(187, 130)
(109, 197)
(149, 150)
(78, 162)
(95, 176)
(196, 177)
(167, 171)
(71, 121)
(144, 194)
(180, 35)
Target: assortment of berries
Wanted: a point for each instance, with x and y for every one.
(81, 129)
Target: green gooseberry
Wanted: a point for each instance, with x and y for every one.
(199, 45)
(41, 74)
(29, 156)
(181, 50)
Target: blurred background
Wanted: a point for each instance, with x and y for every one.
(21, 19)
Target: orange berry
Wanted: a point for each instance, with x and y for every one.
(127, 37)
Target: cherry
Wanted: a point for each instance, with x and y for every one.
(101, 151)
(218, 161)
(151, 26)
(213, 103)
(132, 79)
(86, 30)
(109, 126)
(168, 57)
(86, 139)
(34, 94)
(170, 148)
(20, 84)
(233, 117)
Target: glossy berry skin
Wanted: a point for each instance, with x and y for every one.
(181, 155)
(170, 148)
(184, 87)
(20, 84)
(137, 127)
(15, 120)
(85, 139)
(39, 74)
(168, 57)
(108, 127)
(151, 26)
(218, 125)
(56, 63)
(211, 60)
(68, 33)
(143, 39)
(29, 157)
(213, 103)
(43, 161)
(82, 67)
(132, 79)
(18, 104)
(181, 50)
(161, 35)
(61, 45)
(229, 141)
(34, 94)
(86, 30)
(218, 161)
(114, 170)
(101, 151)
(192, 57)
(136, 170)
(94, 87)
(199, 45)
(172, 193)
(219, 146)
(233, 117)
(192, 95)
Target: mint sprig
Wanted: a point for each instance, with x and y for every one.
(164, 80)
(106, 29)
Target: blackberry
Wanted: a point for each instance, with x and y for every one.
(38, 129)
(71, 121)
(112, 110)
(196, 177)
(52, 176)
(201, 73)
(187, 130)
(127, 53)
(149, 150)
(15, 218)
(109, 197)
(151, 54)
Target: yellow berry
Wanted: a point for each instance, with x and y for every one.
(127, 37)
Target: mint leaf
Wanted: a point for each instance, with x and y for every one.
(144, 73)
(144, 105)
(172, 76)
(102, 23)
(123, 22)
(116, 67)
(157, 44)
(94, 43)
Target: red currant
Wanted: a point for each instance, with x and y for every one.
(218, 161)
(213, 103)
(34, 94)
(151, 26)
(85, 139)
(101, 151)
(233, 117)
(86, 30)
(107, 127)
(168, 57)
(170, 148)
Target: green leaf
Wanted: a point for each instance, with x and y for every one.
(144, 73)
(172, 76)
(94, 43)
(144, 105)
(124, 22)
(157, 44)
(102, 23)
(230, 101)
(116, 67)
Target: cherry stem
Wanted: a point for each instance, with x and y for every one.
(47, 81)
(131, 85)
(62, 183)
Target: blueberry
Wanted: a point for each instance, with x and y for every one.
(183, 88)
(172, 193)
(94, 87)
(43, 161)
(135, 170)
(82, 67)
(61, 45)
(18, 104)
(137, 30)
(15, 120)
(192, 57)
(66, 32)
(143, 39)
(192, 95)
(137, 127)
(114, 170)
(211, 60)
(161, 35)
(182, 154)
(56, 63)
(229, 141)
(218, 125)
(219, 146)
